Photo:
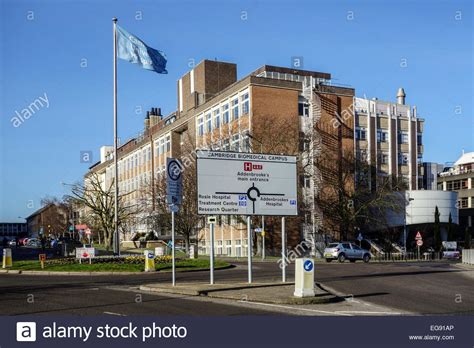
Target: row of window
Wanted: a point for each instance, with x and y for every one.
(135, 160)
(236, 143)
(228, 242)
(383, 136)
(383, 158)
(463, 202)
(223, 114)
(457, 185)
(135, 183)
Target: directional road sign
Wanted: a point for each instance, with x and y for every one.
(236, 183)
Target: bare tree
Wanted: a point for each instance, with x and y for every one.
(154, 203)
(97, 197)
(348, 202)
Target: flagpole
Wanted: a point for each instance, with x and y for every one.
(116, 232)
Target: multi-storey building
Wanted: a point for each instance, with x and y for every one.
(460, 178)
(215, 110)
(275, 110)
(13, 229)
(389, 137)
(429, 180)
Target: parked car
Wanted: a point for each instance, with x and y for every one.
(12, 243)
(23, 241)
(34, 242)
(346, 251)
(451, 255)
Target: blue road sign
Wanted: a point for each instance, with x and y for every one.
(308, 265)
(174, 183)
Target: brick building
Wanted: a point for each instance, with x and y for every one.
(275, 110)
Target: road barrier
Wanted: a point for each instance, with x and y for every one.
(7, 258)
(468, 256)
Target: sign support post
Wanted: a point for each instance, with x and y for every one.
(173, 263)
(263, 238)
(174, 196)
(283, 250)
(249, 249)
(211, 261)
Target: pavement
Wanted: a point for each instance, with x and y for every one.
(410, 288)
(278, 293)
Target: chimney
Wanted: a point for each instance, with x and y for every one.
(401, 96)
(147, 120)
(155, 116)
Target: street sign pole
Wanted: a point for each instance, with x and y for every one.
(263, 238)
(174, 195)
(211, 261)
(283, 250)
(249, 249)
(173, 264)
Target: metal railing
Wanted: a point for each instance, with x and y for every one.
(409, 256)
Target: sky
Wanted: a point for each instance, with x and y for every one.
(61, 53)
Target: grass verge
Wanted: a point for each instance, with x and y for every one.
(181, 265)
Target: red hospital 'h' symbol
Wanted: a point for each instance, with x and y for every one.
(248, 166)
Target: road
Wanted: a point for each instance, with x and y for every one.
(416, 288)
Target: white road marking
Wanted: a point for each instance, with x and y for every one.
(370, 312)
(118, 314)
(293, 308)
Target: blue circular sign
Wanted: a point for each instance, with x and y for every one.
(151, 256)
(308, 265)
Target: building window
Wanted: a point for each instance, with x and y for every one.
(361, 155)
(162, 146)
(235, 143)
(226, 145)
(383, 158)
(168, 143)
(419, 139)
(208, 123)
(303, 109)
(456, 184)
(245, 103)
(463, 202)
(225, 113)
(361, 133)
(235, 109)
(200, 122)
(246, 141)
(403, 138)
(217, 118)
(382, 136)
(305, 181)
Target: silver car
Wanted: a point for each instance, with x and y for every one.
(346, 251)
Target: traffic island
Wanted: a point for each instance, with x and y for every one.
(276, 293)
